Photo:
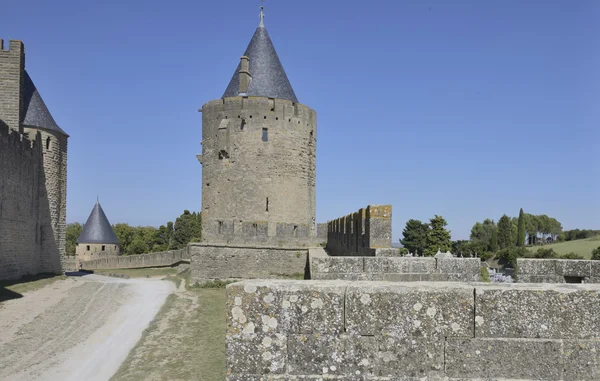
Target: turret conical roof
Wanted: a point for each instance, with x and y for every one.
(97, 229)
(36, 112)
(268, 76)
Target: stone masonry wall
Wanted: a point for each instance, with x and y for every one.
(162, 259)
(360, 233)
(242, 262)
(258, 172)
(396, 269)
(317, 330)
(557, 271)
(91, 251)
(12, 67)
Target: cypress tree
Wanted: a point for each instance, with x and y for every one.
(521, 229)
(504, 240)
(494, 245)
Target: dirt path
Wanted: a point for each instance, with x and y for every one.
(76, 329)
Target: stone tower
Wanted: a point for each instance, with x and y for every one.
(97, 239)
(24, 112)
(258, 156)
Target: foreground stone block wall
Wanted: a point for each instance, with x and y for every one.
(316, 330)
(398, 269)
(164, 258)
(362, 232)
(557, 271)
(241, 262)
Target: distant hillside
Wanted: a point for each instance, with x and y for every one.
(582, 247)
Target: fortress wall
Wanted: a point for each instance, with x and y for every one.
(21, 182)
(243, 262)
(258, 172)
(300, 330)
(359, 233)
(557, 271)
(162, 259)
(396, 269)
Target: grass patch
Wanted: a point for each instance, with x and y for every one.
(581, 247)
(140, 273)
(484, 274)
(29, 283)
(186, 340)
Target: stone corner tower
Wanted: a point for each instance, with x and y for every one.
(258, 156)
(97, 238)
(24, 113)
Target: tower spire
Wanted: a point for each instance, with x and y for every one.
(262, 13)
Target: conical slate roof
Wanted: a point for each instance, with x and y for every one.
(36, 112)
(97, 229)
(268, 77)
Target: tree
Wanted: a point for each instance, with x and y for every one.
(415, 236)
(126, 235)
(138, 246)
(187, 227)
(438, 238)
(494, 246)
(531, 227)
(521, 229)
(504, 232)
(481, 234)
(72, 233)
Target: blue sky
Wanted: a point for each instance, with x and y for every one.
(466, 109)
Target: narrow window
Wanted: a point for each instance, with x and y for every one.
(220, 227)
(295, 231)
(267, 204)
(255, 229)
(48, 143)
(103, 247)
(265, 134)
(88, 247)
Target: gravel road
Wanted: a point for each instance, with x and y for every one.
(81, 328)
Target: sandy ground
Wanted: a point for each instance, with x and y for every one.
(76, 329)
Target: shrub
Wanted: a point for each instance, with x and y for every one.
(546, 253)
(596, 254)
(403, 251)
(572, 256)
(217, 283)
(510, 254)
(484, 274)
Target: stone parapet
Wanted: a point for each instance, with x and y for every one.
(162, 259)
(557, 271)
(398, 269)
(317, 330)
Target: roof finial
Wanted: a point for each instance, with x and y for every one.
(262, 13)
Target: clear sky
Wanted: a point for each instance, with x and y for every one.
(466, 109)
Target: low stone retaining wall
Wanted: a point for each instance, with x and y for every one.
(69, 263)
(316, 330)
(162, 259)
(242, 262)
(398, 269)
(557, 271)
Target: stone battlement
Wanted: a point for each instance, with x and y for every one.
(294, 330)
(557, 271)
(360, 233)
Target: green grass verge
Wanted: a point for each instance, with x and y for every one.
(582, 247)
(140, 273)
(186, 340)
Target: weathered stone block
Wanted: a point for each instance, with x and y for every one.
(467, 266)
(581, 359)
(411, 357)
(337, 265)
(536, 311)
(257, 354)
(285, 306)
(331, 355)
(410, 309)
(376, 264)
(569, 267)
(515, 359)
(412, 265)
(536, 266)
(595, 269)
